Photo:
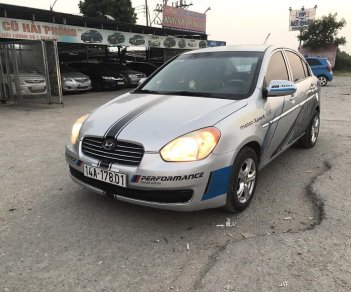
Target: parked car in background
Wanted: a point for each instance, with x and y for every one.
(102, 77)
(116, 38)
(30, 81)
(321, 68)
(72, 80)
(143, 67)
(91, 36)
(194, 136)
(169, 42)
(132, 77)
(137, 40)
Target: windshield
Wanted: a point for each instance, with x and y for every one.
(66, 68)
(230, 75)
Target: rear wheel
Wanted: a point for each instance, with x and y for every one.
(323, 80)
(243, 180)
(311, 135)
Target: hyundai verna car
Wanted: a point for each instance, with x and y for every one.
(195, 134)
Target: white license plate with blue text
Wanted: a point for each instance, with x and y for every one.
(108, 176)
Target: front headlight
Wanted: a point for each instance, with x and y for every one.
(108, 77)
(76, 128)
(196, 145)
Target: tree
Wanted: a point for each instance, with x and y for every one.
(323, 31)
(121, 10)
(342, 61)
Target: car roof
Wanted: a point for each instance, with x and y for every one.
(238, 48)
(316, 58)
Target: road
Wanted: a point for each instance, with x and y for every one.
(54, 235)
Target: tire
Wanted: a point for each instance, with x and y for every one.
(323, 80)
(243, 181)
(311, 135)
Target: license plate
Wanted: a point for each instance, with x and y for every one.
(38, 87)
(111, 177)
(120, 83)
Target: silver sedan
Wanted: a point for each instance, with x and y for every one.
(196, 133)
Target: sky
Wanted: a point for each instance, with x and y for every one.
(235, 21)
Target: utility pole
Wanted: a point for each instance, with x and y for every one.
(147, 13)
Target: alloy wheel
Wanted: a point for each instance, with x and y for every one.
(246, 180)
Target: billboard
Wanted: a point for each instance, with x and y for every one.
(299, 19)
(174, 17)
(34, 30)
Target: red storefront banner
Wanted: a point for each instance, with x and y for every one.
(183, 19)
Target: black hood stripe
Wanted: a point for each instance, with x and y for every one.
(118, 126)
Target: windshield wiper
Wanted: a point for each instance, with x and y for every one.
(147, 91)
(191, 93)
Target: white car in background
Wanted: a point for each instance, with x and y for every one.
(30, 82)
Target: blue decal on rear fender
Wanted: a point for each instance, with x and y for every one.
(218, 184)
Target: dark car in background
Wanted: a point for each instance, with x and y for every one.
(73, 80)
(143, 67)
(321, 68)
(91, 36)
(116, 38)
(137, 40)
(102, 77)
(169, 42)
(132, 77)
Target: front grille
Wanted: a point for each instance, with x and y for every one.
(34, 81)
(125, 152)
(156, 196)
(36, 90)
(81, 80)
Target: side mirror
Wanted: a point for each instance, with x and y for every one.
(280, 88)
(141, 81)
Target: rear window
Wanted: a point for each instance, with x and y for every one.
(313, 62)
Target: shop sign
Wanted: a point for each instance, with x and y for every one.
(35, 30)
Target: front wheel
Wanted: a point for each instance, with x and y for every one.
(243, 180)
(323, 80)
(311, 135)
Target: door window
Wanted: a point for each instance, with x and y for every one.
(276, 68)
(296, 66)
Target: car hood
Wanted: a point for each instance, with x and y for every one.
(155, 120)
(74, 75)
(25, 75)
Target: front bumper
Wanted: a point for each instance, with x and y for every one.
(32, 89)
(187, 186)
(113, 84)
(72, 85)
